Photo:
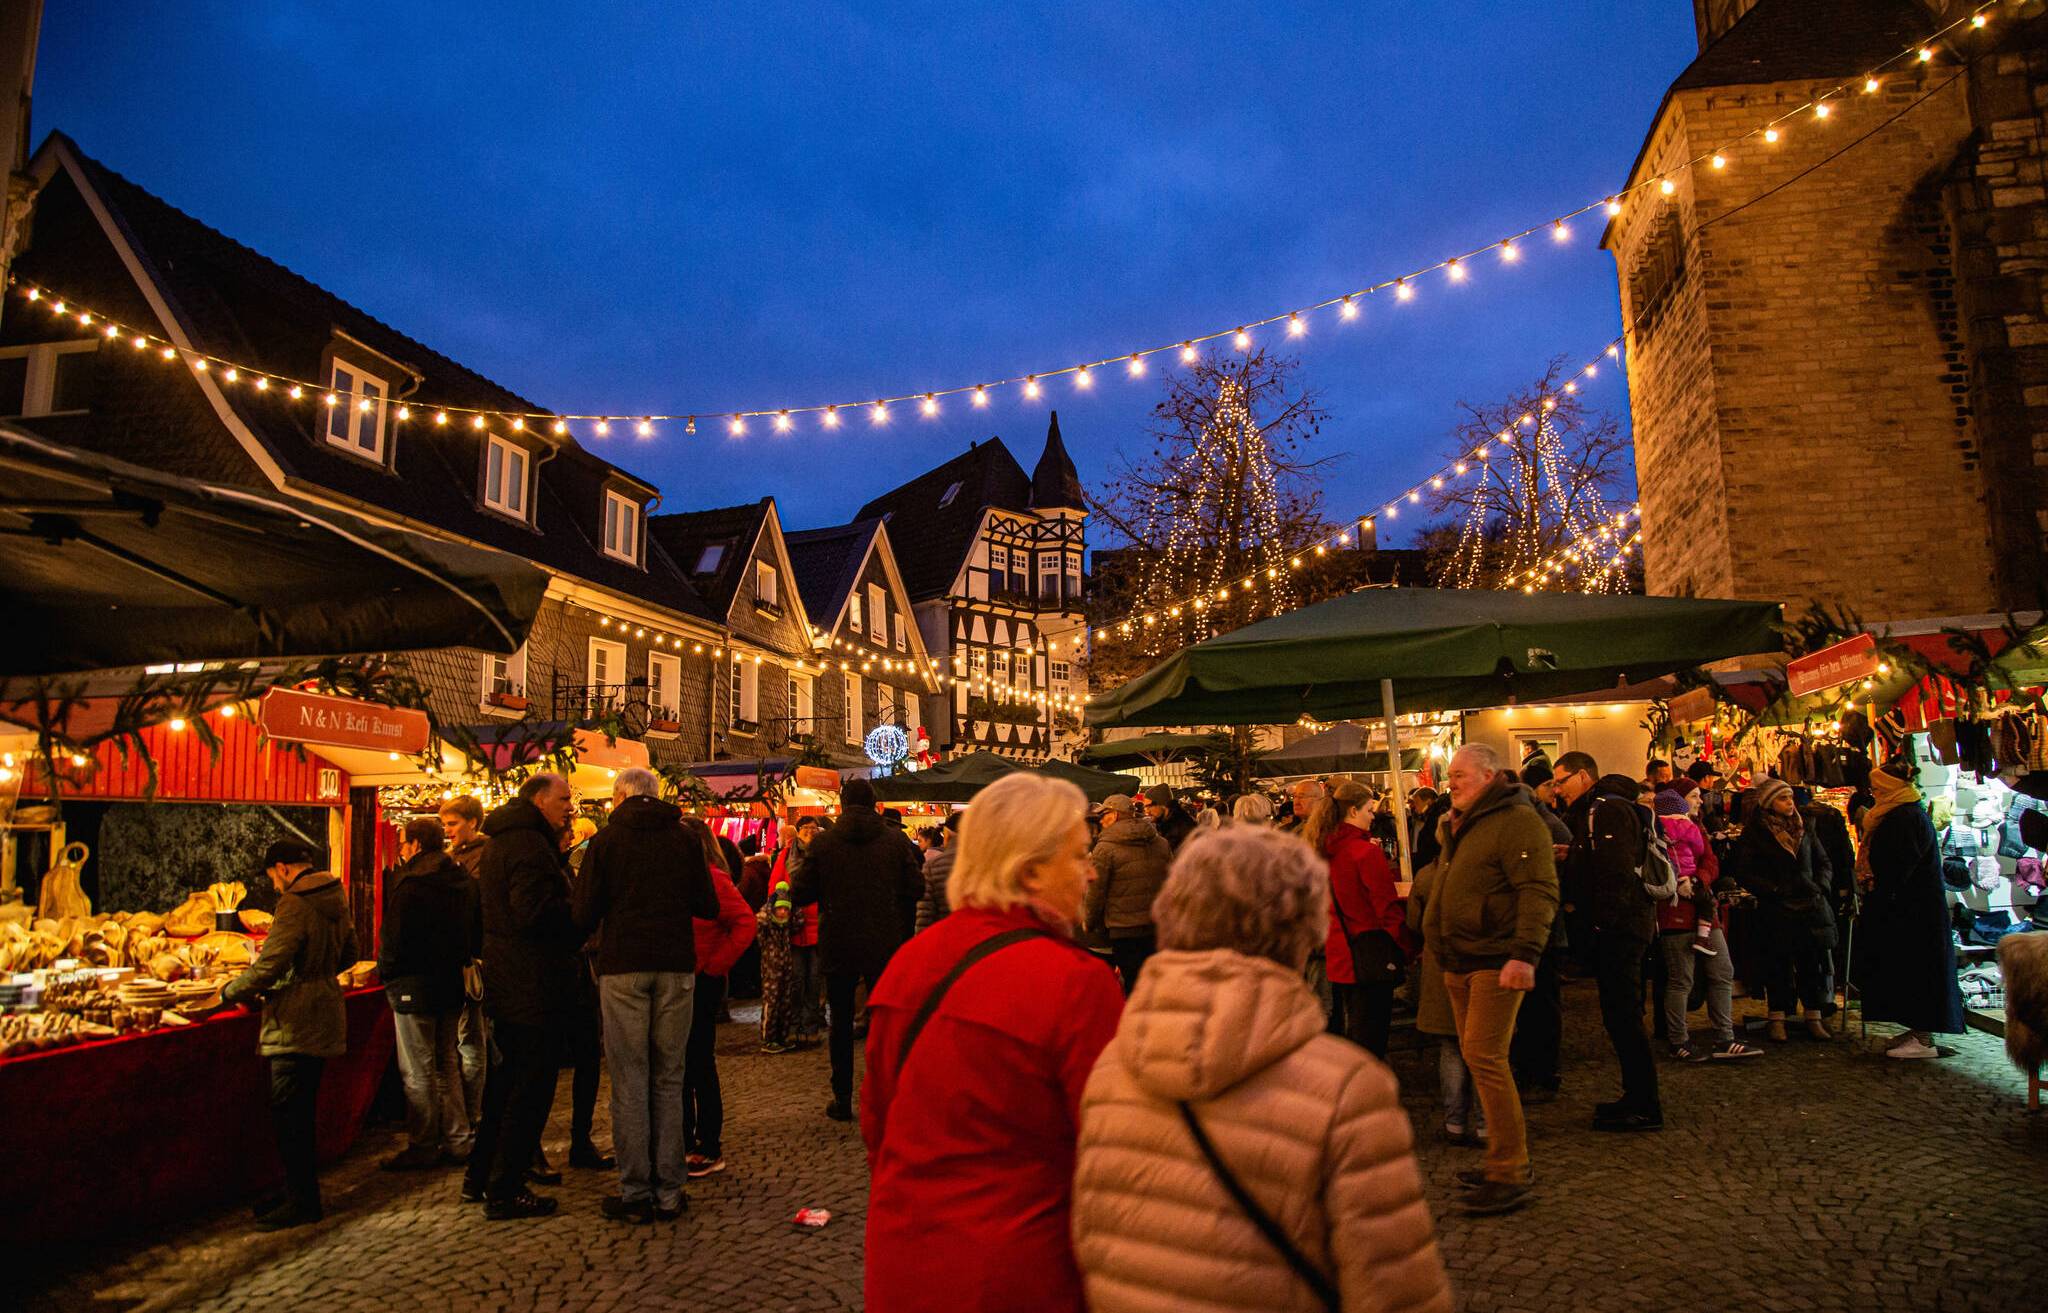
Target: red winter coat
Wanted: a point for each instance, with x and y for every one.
(1362, 881)
(1691, 856)
(971, 1148)
(720, 942)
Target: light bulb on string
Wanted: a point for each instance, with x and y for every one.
(1137, 365)
(1295, 326)
(604, 428)
(1242, 340)
(782, 422)
(981, 396)
(1510, 252)
(1083, 379)
(1031, 387)
(1187, 353)
(878, 413)
(930, 405)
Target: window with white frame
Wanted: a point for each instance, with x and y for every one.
(1048, 576)
(913, 713)
(505, 676)
(664, 686)
(621, 527)
(47, 378)
(856, 722)
(977, 664)
(745, 704)
(1061, 672)
(853, 611)
(878, 613)
(999, 677)
(355, 422)
(998, 569)
(1074, 579)
(505, 476)
(764, 584)
(801, 705)
(607, 665)
(902, 635)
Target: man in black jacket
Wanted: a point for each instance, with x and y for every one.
(432, 929)
(643, 879)
(865, 879)
(530, 943)
(1609, 832)
(1168, 816)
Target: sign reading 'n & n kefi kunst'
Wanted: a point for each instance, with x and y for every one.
(319, 718)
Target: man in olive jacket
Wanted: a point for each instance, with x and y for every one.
(311, 941)
(1488, 920)
(865, 878)
(1131, 859)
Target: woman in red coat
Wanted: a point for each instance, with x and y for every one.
(970, 1122)
(1364, 909)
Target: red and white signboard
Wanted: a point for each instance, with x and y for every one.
(1852, 659)
(319, 718)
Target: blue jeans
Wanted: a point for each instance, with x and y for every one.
(646, 1031)
(436, 1115)
(1454, 1086)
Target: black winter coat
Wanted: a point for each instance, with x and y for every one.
(1831, 832)
(433, 927)
(935, 906)
(643, 879)
(1175, 826)
(1906, 961)
(1791, 889)
(865, 877)
(1604, 871)
(530, 934)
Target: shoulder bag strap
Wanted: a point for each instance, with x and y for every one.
(993, 944)
(1307, 1271)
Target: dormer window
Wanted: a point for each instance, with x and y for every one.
(621, 527)
(355, 420)
(710, 558)
(505, 476)
(764, 584)
(952, 491)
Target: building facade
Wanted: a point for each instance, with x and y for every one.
(992, 563)
(1836, 342)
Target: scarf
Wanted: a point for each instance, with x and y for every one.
(1891, 793)
(1787, 830)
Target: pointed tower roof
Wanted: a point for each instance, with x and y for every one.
(1056, 484)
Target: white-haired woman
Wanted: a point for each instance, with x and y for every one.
(1251, 809)
(1234, 1155)
(981, 1034)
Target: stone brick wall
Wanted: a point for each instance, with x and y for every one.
(1803, 424)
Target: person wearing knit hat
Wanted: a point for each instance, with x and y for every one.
(1905, 930)
(1690, 938)
(1779, 860)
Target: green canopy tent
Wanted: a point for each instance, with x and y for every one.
(959, 779)
(1150, 749)
(1422, 649)
(1338, 750)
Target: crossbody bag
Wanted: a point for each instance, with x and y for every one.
(986, 948)
(1312, 1276)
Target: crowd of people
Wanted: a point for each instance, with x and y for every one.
(1147, 1043)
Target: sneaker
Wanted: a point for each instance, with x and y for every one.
(524, 1204)
(778, 1048)
(840, 1110)
(1735, 1048)
(620, 1209)
(589, 1156)
(700, 1166)
(472, 1193)
(1687, 1053)
(1494, 1198)
(1700, 946)
(1912, 1048)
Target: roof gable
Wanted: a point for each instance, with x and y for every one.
(935, 532)
(1795, 40)
(736, 530)
(828, 563)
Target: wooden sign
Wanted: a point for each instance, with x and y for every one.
(818, 778)
(288, 715)
(1852, 659)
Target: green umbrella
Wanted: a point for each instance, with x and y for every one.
(1441, 649)
(1151, 749)
(1338, 750)
(959, 779)
(1097, 784)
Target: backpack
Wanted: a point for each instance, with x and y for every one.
(1658, 872)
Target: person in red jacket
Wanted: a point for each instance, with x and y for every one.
(971, 1119)
(809, 1021)
(1365, 912)
(720, 941)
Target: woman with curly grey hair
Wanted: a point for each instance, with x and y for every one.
(1233, 1154)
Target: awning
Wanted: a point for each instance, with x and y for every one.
(960, 778)
(1150, 749)
(1443, 650)
(105, 564)
(1338, 750)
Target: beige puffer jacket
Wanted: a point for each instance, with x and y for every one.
(1310, 1124)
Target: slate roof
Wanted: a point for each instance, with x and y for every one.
(686, 534)
(1056, 483)
(1795, 40)
(237, 304)
(931, 540)
(827, 563)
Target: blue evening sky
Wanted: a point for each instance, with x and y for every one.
(654, 206)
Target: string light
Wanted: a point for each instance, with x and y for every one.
(1345, 303)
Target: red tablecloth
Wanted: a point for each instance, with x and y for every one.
(144, 1130)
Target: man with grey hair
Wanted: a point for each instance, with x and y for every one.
(1487, 920)
(644, 878)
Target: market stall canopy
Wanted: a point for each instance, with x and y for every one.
(1338, 750)
(1150, 749)
(1444, 650)
(105, 564)
(960, 778)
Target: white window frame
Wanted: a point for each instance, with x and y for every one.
(855, 719)
(767, 584)
(1062, 672)
(39, 378)
(878, 616)
(853, 611)
(513, 677)
(913, 713)
(902, 634)
(613, 675)
(1048, 576)
(803, 706)
(664, 681)
(621, 527)
(744, 695)
(349, 402)
(999, 669)
(508, 452)
(1073, 580)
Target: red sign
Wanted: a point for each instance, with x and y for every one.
(296, 717)
(1853, 659)
(817, 777)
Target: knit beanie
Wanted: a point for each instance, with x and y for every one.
(1536, 772)
(1670, 803)
(1769, 791)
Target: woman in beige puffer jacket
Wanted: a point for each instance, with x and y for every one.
(1310, 1124)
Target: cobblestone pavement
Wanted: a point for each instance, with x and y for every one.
(1816, 1177)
